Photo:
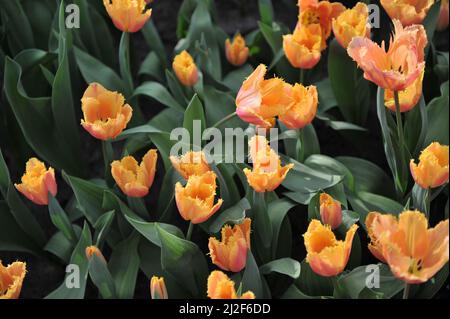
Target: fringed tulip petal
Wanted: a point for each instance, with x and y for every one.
(37, 182)
(236, 51)
(185, 69)
(191, 163)
(128, 15)
(11, 280)
(220, 286)
(433, 168)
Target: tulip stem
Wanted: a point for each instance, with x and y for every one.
(224, 120)
(189, 231)
(400, 132)
(124, 61)
(108, 155)
(406, 291)
(302, 76)
(427, 202)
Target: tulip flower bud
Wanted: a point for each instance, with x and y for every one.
(128, 15)
(326, 255)
(330, 211)
(191, 163)
(220, 286)
(11, 279)
(267, 173)
(105, 114)
(352, 23)
(230, 254)
(93, 250)
(236, 51)
(259, 101)
(195, 201)
(185, 69)
(37, 182)
(158, 288)
(432, 170)
(132, 178)
(407, 11)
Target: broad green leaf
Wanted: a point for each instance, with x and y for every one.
(124, 266)
(194, 112)
(101, 277)
(281, 242)
(285, 266)
(234, 215)
(184, 261)
(158, 92)
(60, 219)
(251, 278)
(438, 115)
(75, 290)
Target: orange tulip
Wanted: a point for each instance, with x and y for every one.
(158, 288)
(326, 255)
(352, 23)
(185, 69)
(320, 13)
(93, 250)
(397, 68)
(236, 51)
(259, 101)
(432, 170)
(11, 279)
(135, 179)
(384, 222)
(408, 98)
(128, 15)
(230, 254)
(443, 16)
(407, 11)
(330, 211)
(303, 47)
(414, 252)
(220, 286)
(37, 182)
(303, 109)
(267, 173)
(105, 114)
(191, 163)
(195, 201)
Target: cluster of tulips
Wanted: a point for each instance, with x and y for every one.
(414, 251)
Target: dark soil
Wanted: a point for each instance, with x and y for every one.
(46, 274)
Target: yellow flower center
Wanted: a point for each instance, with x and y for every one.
(310, 17)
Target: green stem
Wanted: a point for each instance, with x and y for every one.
(189, 231)
(108, 155)
(427, 202)
(406, 291)
(224, 120)
(301, 149)
(400, 132)
(124, 61)
(302, 76)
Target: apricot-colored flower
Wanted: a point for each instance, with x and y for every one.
(93, 250)
(230, 254)
(326, 255)
(11, 279)
(320, 13)
(185, 69)
(384, 223)
(158, 288)
(407, 11)
(414, 252)
(443, 16)
(195, 201)
(191, 163)
(408, 98)
(303, 108)
(267, 173)
(105, 114)
(432, 170)
(259, 101)
(128, 15)
(352, 23)
(330, 211)
(303, 47)
(37, 182)
(397, 68)
(220, 286)
(236, 51)
(135, 179)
